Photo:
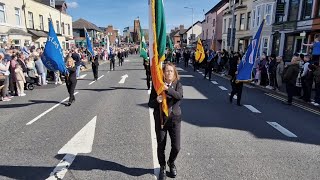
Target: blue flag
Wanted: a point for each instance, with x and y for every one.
(53, 52)
(246, 65)
(89, 46)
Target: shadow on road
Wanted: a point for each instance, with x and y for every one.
(31, 102)
(81, 163)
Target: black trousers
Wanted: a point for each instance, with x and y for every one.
(111, 64)
(186, 62)
(120, 61)
(208, 70)
(291, 90)
(148, 74)
(317, 97)
(174, 130)
(237, 89)
(71, 86)
(95, 71)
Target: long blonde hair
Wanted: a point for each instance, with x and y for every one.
(176, 74)
(70, 60)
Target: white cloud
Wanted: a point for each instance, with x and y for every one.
(72, 4)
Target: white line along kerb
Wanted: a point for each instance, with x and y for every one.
(81, 143)
(47, 111)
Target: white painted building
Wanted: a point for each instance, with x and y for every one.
(196, 29)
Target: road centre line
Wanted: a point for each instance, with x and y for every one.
(101, 77)
(47, 111)
(95, 80)
(223, 88)
(252, 109)
(293, 103)
(283, 130)
(214, 82)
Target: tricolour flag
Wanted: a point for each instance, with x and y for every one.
(246, 65)
(200, 54)
(89, 45)
(143, 45)
(53, 52)
(157, 45)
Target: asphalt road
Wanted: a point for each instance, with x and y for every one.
(107, 133)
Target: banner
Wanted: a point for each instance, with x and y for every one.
(89, 45)
(246, 65)
(53, 53)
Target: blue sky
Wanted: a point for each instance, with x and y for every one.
(121, 13)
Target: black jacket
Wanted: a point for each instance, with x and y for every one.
(72, 74)
(291, 74)
(174, 97)
(95, 61)
(76, 57)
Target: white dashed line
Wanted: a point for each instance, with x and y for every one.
(253, 109)
(283, 130)
(214, 82)
(101, 77)
(223, 88)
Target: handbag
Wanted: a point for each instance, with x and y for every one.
(2, 77)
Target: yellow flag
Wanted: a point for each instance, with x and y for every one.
(200, 54)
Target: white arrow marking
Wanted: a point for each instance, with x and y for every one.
(82, 76)
(123, 79)
(47, 111)
(80, 143)
(283, 130)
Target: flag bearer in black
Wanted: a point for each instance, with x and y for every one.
(236, 86)
(95, 66)
(112, 60)
(146, 65)
(71, 80)
(172, 123)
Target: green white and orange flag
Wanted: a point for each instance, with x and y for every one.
(200, 54)
(157, 45)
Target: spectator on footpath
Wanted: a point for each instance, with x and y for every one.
(279, 73)
(306, 79)
(21, 80)
(40, 69)
(4, 71)
(316, 74)
(290, 77)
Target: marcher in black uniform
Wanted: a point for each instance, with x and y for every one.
(236, 86)
(71, 80)
(172, 124)
(95, 66)
(112, 59)
(120, 57)
(209, 65)
(186, 56)
(146, 65)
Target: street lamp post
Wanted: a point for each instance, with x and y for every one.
(192, 23)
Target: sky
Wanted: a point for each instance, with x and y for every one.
(121, 13)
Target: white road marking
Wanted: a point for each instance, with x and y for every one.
(80, 143)
(82, 76)
(214, 82)
(283, 130)
(189, 92)
(186, 76)
(223, 88)
(251, 108)
(123, 79)
(293, 103)
(180, 69)
(100, 77)
(156, 166)
(248, 86)
(92, 82)
(47, 111)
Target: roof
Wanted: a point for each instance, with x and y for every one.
(192, 26)
(60, 2)
(18, 32)
(81, 23)
(37, 33)
(217, 6)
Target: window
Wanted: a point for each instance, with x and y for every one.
(225, 26)
(318, 9)
(69, 33)
(62, 28)
(306, 12)
(2, 13)
(52, 3)
(248, 20)
(213, 22)
(268, 14)
(17, 15)
(58, 27)
(230, 19)
(207, 34)
(265, 44)
(213, 34)
(258, 16)
(293, 10)
(41, 22)
(242, 21)
(30, 18)
(207, 19)
(253, 18)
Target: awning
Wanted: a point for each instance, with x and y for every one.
(38, 33)
(18, 32)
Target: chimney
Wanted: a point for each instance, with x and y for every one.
(181, 27)
(176, 28)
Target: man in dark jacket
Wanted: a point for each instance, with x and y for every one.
(76, 57)
(290, 78)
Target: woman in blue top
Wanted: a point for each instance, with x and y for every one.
(315, 49)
